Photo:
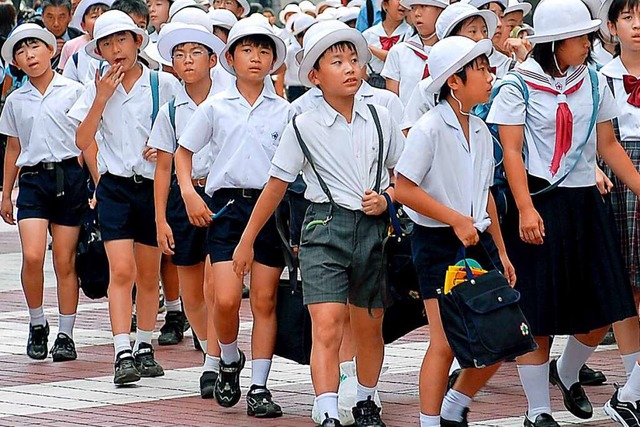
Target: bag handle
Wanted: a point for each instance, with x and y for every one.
(393, 214)
(462, 256)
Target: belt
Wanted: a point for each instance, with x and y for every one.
(199, 182)
(58, 167)
(247, 193)
(136, 179)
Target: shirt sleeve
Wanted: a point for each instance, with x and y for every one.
(7, 120)
(396, 143)
(396, 108)
(417, 106)
(391, 69)
(82, 106)
(608, 109)
(415, 161)
(199, 130)
(163, 136)
(288, 159)
(508, 107)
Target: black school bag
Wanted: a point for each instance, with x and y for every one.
(92, 265)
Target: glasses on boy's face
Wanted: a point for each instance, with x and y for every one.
(194, 55)
(229, 3)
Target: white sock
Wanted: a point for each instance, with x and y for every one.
(575, 355)
(363, 393)
(229, 352)
(629, 362)
(121, 343)
(65, 324)
(142, 337)
(429, 420)
(327, 404)
(36, 316)
(203, 345)
(453, 405)
(260, 371)
(535, 382)
(173, 305)
(211, 363)
(631, 390)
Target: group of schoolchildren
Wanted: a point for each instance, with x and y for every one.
(191, 151)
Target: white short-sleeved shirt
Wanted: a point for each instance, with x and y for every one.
(404, 65)
(366, 93)
(420, 102)
(242, 137)
(126, 123)
(539, 120)
(224, 79)
(455, 172)
(40, 121)
(85, 71)
(291, 74)
(629, 118)
(345, 155)
(373, 35)
(165, 137)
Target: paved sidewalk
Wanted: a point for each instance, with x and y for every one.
(81, 393)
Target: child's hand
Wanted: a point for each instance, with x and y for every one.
(242, 259)
(531, 227)
(197, 210)
(373, 203)
(150, 154)
(7, 211)
(603, 182)
(107, 84)
(509, 270)
(465, 231)
(165, 238)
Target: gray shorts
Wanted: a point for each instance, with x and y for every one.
(342, 260)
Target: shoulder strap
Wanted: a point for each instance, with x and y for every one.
(616, 123)
(595, 95)
(376, 120)
(307, 155)
(155, 94)
(74, 58)
(370, 13)
(172, 114)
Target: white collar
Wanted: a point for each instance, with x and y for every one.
(233, 93)
(182, 97)
(328, 115)
(615, 69)
(28, 87)
(532, 72)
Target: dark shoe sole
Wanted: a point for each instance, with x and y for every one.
(252, 413)
(37, 356)
(555, 380)
(168, 341)
(127, 378)
(148, 373)
(63, 357)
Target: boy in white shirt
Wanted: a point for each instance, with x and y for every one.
(352, 146)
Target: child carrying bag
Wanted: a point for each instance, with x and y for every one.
(483, 321)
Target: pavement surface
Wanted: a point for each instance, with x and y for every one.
(81, 393)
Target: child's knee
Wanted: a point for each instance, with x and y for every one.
(263, 306)
(32, 259)
(227, 304)
(122, 274)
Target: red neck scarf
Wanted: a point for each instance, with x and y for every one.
(632, 87)
(388, 42)
(425, 72)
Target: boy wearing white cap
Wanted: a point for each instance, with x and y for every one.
(301, 23)
(193, 51)
(240, 8)
(120, 107)
(449, 151)
(511, 44)
(241, 128)
(41, 148)
(408, 62)
(345, 149)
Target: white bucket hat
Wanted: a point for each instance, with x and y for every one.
(246, 7)
(82, 8)
(179, 5)
(603, 15)
(437, 3)
(330, 14)
(346, 14)
(593, 6)
(291, 8)
(193, 15)
(222, 18)
(331, 3)
(249, 27)
(518, 6)
(301, 22)
(174, 34)
(153, 58)
(458, 12)
(112, 22)
(448, 56)
(480, 3)
(26, 31)
(307, 6)
(556, 20)
(321, 37)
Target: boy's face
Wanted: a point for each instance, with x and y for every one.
(89, 20)
(120, 49)
(339, 72)
(424, 18)
(232, 6)
(192, 62)
(251, 62)
(474, 28)
(34, 58)
(498, 39)
(141, 21)
(477, 89)
(512, 20)
(626, 28)
(56, 19)
(158, 12)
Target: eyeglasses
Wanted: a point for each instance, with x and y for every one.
(194, 55)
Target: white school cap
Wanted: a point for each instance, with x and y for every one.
(603, 15)
(321, 37)
(246, 7)
(291, 8)
(306, 6)
(594, 6)
(448, 56)
(331, 4)
(174, 34)
(26, 31)
(193, 15)
(519, 6)
(457, 13)
(556, 20)
(437, 3)
(301, 22)
(112, 22)
(179, 5)
(346, 14)
(481, 3)
(249, 27)
(329, 14)
(222, 18)
(82, 8)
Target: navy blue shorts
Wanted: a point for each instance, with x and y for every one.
(56, 192)
(225, 231)
(126, 209)
(190, 241)
(436, 248)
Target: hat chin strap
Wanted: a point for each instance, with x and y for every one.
(555, 59)
(427, 38)
(453, 95)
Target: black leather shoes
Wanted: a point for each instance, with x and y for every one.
(575, 399)
(463, 423)
(542, 420)
(590, 377)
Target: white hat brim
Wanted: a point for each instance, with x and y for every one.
(436, 3)
(246, 7)
(284, 12)
(36, 33)
(504, 3)
(91, 47)
(490, 19)
(281, 47)
(178, 36)
(483, 47)
(76, 21)
(523, 7)
(593, 25)
(310, 57)
(603, 15)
